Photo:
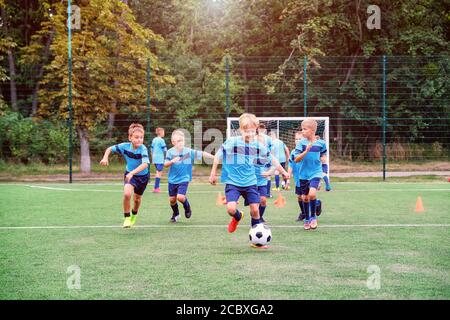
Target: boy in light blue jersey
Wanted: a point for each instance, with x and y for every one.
(294, 171)
(309, 150)
(239, 156)
(281, 152)
(158, 148)
(137, 175)
(179, 160)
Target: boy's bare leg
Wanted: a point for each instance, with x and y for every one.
(127, 192)
(235, 214)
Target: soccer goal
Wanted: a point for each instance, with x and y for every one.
(285, 128)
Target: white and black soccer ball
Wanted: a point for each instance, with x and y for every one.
(260, 234)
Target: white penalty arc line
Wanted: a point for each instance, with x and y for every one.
(300, 226)
(215, 191)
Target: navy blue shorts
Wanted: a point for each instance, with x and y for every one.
(138, 182)
(262, 190)
(179, 188)
(250, 194)
(306, 184)
(159, 166)
(298, 191)
(283, 164)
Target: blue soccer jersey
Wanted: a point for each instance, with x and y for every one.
(278, 150)
(296, 166)
(133, 157)
(158, 149)
(181, 171)
(311, 164)
(264, 164)
(240, 159)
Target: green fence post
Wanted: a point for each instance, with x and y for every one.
(227, 87)
(305, 87)
(148, 102)
(384, 118)
(69, 49)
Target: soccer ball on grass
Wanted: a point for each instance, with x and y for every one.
(260, 235)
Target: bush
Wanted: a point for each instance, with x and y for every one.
(25, 139)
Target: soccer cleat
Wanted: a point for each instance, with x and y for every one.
(275, 189)
(234, 223)
(174, 218)
(188, 214)
(156, 190)
(259, 246)
(127, 222)
(318, 207)
(327, 187)
(306, 225)
(133, 219)
(313, 224)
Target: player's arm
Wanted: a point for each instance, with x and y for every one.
(213, 174)
(303, 154)
(170, 162)
(290, 171)
(141, 167)
(105, 161)
(278, 167)
(269, 172)
(207, 155)
(286, 151)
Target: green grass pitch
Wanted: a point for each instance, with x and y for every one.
(362, 225)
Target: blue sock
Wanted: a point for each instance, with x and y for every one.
(255, 221)
(325, 168)
(313, 208)
(302, 206)
(186, 205)
(269, 183)
(277, 181)
(306, 207)
(261, 210)
(175, 209)
(157, 180)
(327, 181)
(237, 215)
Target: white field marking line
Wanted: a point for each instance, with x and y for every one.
(215, 191)
(224, 226)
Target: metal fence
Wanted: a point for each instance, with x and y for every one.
(384, 110)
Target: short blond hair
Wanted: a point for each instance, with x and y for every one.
(135, 127)
(248, 119)
(177, 132)
(310, 123)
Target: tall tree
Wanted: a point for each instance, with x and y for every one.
(97, 66)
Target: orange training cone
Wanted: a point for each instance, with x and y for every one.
(419, 205)
(280, 202)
